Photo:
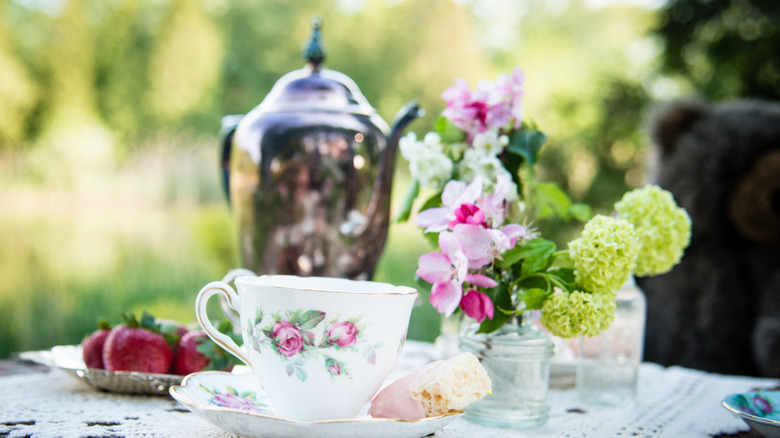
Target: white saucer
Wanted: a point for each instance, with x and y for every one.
(237, 404)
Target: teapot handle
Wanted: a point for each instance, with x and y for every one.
(229, 125)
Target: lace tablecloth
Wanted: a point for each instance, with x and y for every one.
(674, 402)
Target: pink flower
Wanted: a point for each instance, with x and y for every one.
(466, 109)
(494, 205)
(333, 367)
(447, 271)
(468, 214)
(477, 305)
(287, 338)
(458, 94)
(343, 334)
(233, 401)
(490, 106)
(510, 88)
(480, 245)
(517, 232)
(455, 194)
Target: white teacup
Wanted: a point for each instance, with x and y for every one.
(321, 347)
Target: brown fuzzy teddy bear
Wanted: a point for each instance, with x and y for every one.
(719, 309)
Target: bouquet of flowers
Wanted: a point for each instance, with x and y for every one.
(492, 263)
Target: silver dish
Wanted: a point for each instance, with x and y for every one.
(69, 359)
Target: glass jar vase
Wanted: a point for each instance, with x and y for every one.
(517, 359)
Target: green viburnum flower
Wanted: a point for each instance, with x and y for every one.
(604, 255)
(569, 315)
(663, 228)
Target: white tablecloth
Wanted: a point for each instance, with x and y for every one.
(673, 402)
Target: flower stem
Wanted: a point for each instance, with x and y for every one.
(528, 193)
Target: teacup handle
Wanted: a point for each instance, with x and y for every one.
(229, 278)
(232, 300)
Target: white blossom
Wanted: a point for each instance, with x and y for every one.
(477, 162)
(427, 161)
(490, 143)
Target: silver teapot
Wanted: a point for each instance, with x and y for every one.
(309, 173)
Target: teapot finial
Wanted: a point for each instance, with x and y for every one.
(314, 48)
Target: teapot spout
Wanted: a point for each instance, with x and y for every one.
(378, 211)
(405, 115)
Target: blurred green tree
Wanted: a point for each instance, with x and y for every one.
(724, 48)
(18, 94)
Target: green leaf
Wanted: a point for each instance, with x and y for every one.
(432, 238)
(499, 295)
(206, 347)
(566, 275)
(535, 282)
(149, 322)
(308, 337)
(537, 264)
(406, 206)
(130, 320)
(301, 374)
(224, 326)
(527, 144)
(423, 285)
(550, 200)
(310, 319)
(580, 212)
(293, 317)
(432, 202)
(533, 298)
(535, 252)
(512, 163)
(103, 324)
(237, 338)
(231, 390)
(447, 130)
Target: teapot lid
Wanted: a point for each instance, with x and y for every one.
(314, 87)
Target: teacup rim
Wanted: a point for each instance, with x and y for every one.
(280, 281)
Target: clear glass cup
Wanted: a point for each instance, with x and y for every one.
(608, 364)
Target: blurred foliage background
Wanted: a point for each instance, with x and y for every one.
(110, 198)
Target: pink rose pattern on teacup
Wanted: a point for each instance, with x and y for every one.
(343, 333)
(333, 366)
(287, 338)
(294, 338)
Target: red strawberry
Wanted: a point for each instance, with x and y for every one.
(171, 327)
(197, 352)
(92, 346)
(134, 348)
(188, 359)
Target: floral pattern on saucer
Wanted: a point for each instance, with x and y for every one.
(230, 397)
(235, 402)
(759, 409)
(293, 337)
(756, 404)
